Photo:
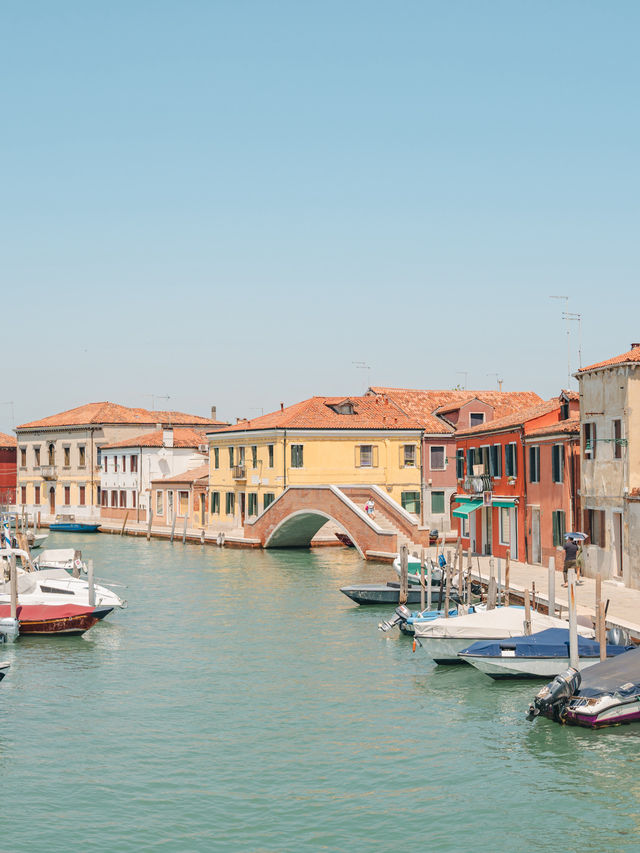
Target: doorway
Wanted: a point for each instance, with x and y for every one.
(487, 530)
(52, 500)
(242, 507)
(203, 503)
(513, 532)
(536, 549)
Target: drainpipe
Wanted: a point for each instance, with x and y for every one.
(93, 465)
(524, 474)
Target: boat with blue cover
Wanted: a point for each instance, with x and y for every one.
(540, 655)
(68, 524)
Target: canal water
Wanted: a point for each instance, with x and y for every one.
(242, 703)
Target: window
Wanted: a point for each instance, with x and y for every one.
(82, 500)
(464, 531)
(67, 456)
(159, 503)
(510, 460)
(437, 503)
(170, 504)
(505, 526)
(23, 457)
(52, 454)
(133, 464)
(594, 526)
(476, 418)
(268, 499)
(241, 457)
(558, 522)
(215, 503)
(98, 456)
(409, 456)
(67, 495)
(82, 456)
(216, 457)
(230, 503)
(437, 458)
(470, 460)
(124, 462)
(557, 464)
(183, 503)
(564, 411)
(253, 503)
(115, 463)
(534, 463)
(231, 457)
(114, 498)
(617, 439)
(366, 456)
(254, 456)
(296, 455)
(589, 433)
(36, 451)
(123, 499)
(271, 456)
(36, 497)
(133, 499)
(496, 461)
(485, 458)
(106, 464)
(410, 501)
(105, 498)
(23, 495)
(460, 464)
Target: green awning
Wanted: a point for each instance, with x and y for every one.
(465, 509)
(505, 502)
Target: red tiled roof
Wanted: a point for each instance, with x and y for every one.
(571, 425)
(182, 437)
(113, 413)
(633, 356)
(7, 440)
(371, 412)
(427, 405)
(516, 419)
(199, 473)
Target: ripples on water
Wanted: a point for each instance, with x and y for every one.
(243, 703)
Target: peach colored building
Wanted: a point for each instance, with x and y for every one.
(180, 496)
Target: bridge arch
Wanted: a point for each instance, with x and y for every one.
(298, 529)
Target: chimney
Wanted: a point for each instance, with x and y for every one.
(282, 407)
(213, 413)
(167, 437)
(635, 346)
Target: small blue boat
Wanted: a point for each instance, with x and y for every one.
(68, 524)
(540, 655)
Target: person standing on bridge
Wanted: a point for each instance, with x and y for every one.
(369, 508)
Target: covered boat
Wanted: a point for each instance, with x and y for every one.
(442, 639)
(539, 655)
(605, 694)
(389, 593)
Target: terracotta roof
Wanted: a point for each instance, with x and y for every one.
(517, 419)
(427, 405)
(370, 412)
(182, 437)
(199, 473)
(113, 413)
(571, 425)
(631, 357)
(7, 440)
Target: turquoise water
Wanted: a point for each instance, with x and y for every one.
(242, 703)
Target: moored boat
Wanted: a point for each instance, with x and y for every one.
(39, 619)
(540, 655)
(4, 668)
(389, 593)
(68, 524)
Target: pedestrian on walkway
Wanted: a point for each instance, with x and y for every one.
(579, 562)
(570, 553)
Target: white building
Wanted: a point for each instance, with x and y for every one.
(129, 466)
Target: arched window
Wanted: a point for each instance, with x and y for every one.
(52, 454)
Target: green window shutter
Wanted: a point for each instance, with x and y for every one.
(437, 503)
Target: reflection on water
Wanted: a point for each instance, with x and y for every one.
(241, 702)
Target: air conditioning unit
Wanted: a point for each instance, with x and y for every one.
(203, 448)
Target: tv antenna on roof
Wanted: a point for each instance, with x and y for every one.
(155, 397)
(498, 380)
(362, 365)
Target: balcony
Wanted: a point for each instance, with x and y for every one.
(239, 472)
(49, 472)
(478, 484)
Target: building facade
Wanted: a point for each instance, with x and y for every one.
(8, 470)
(182, 496)
(60, 457)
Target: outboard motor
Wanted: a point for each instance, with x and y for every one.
(554, 697)
(402, 614)
(617, 636)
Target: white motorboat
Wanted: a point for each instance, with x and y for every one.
(4, 668)
(442, 638)
(69, 559)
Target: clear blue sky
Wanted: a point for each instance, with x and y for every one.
(231, 202)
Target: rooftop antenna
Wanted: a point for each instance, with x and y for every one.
(464, 373)
(362, 365)
(564, 314)
(10, 403)
(155, 397)
(576, 318)
(498, 380)
(257, 409)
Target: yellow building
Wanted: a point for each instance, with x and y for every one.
(320, 441)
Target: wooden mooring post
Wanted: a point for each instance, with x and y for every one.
(422, 589)
(492, 588)
(124, 523)
(404, 575)
(552, 586)
(429, 582)
(173, 526)
(573, 619)
(149, 523)
(507, 578)
(92, 587)
(447, 595)
(527, 613)
(184, 529)
(601, 620)
(13, 581)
